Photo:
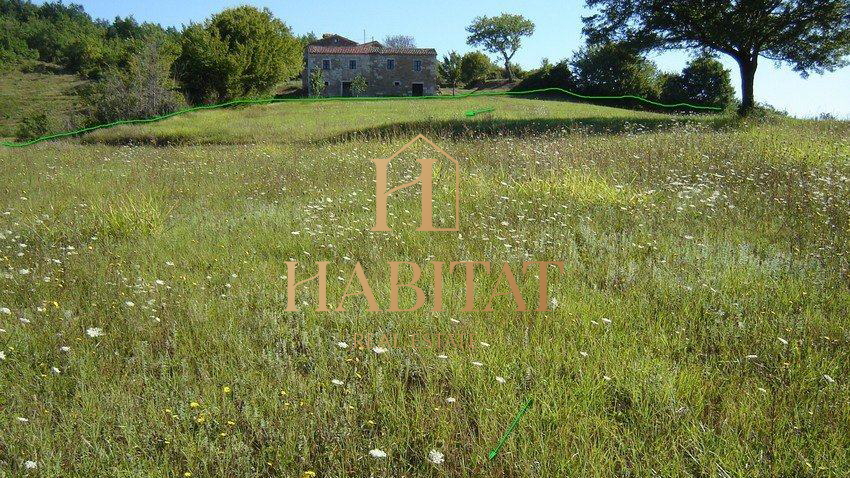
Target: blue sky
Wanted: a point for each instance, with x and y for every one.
(441, 24)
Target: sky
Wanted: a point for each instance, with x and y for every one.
(441, 24)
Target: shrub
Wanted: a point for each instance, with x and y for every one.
(33, 127)
(704, 81)
(475, 66)
(143, 90)
(358, 85)
(317, 82)
(614, 70)
(549, 76)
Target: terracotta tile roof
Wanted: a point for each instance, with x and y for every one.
(367, 49)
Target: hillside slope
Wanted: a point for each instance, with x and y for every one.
(44, 90)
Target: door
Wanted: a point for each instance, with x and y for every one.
(346, 88)
(418, 89)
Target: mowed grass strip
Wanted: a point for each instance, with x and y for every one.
(699, 328)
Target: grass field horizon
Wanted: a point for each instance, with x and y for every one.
(699, 327)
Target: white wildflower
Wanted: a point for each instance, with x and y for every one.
(342, 345)
(337, 382)
(30, 465)
(378, 350)
(500, 379)
(436, 457)
(378, 453)
(450, 399)
(65, 349)
(828, 378)
(5, 310)
(23, 420)
(94, 332)
(129, 303)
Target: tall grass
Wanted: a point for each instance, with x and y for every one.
(699, 328)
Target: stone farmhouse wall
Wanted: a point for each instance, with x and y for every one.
(381, 80)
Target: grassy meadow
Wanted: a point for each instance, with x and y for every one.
(700, 327)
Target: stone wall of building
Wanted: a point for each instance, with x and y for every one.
(382, 81)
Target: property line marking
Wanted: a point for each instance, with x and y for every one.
(256, 101)
(475, 112)
(510, 429)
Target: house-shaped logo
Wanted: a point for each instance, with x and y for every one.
(426, 182)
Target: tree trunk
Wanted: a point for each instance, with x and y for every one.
(508, 69)
(748, 68)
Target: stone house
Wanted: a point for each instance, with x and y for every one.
(387, 71)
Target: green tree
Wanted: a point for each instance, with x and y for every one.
(703, 81)
(614, 69)
(501, 35)
(475, 66)
(810, 35)
(359, 85)
(240, 51)
(450, 71)
(13, 46)
(142, 90)
(316, 82)
(549, 76)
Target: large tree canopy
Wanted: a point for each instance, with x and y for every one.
(810, 35)
(238, 52)
(502, 35)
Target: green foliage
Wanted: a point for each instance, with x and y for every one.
(239, 52)
(306, 39)
(704, 81)
(549, 76)
(613, 69)
(475, 66)
(143, 90)
(13, 45)
(33, 127)
(316, 82)
(450, 70)
(67, 36)
(359, 85)
(502, 34)
(810, 35)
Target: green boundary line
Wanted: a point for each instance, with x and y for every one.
(510, 429)
(478, 112)
(372, 98)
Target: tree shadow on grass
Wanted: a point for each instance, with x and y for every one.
(519, 128)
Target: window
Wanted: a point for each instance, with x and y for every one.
(417, 65)
(352, 64)
(397, 83)
(390, 64)
(326, 64)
